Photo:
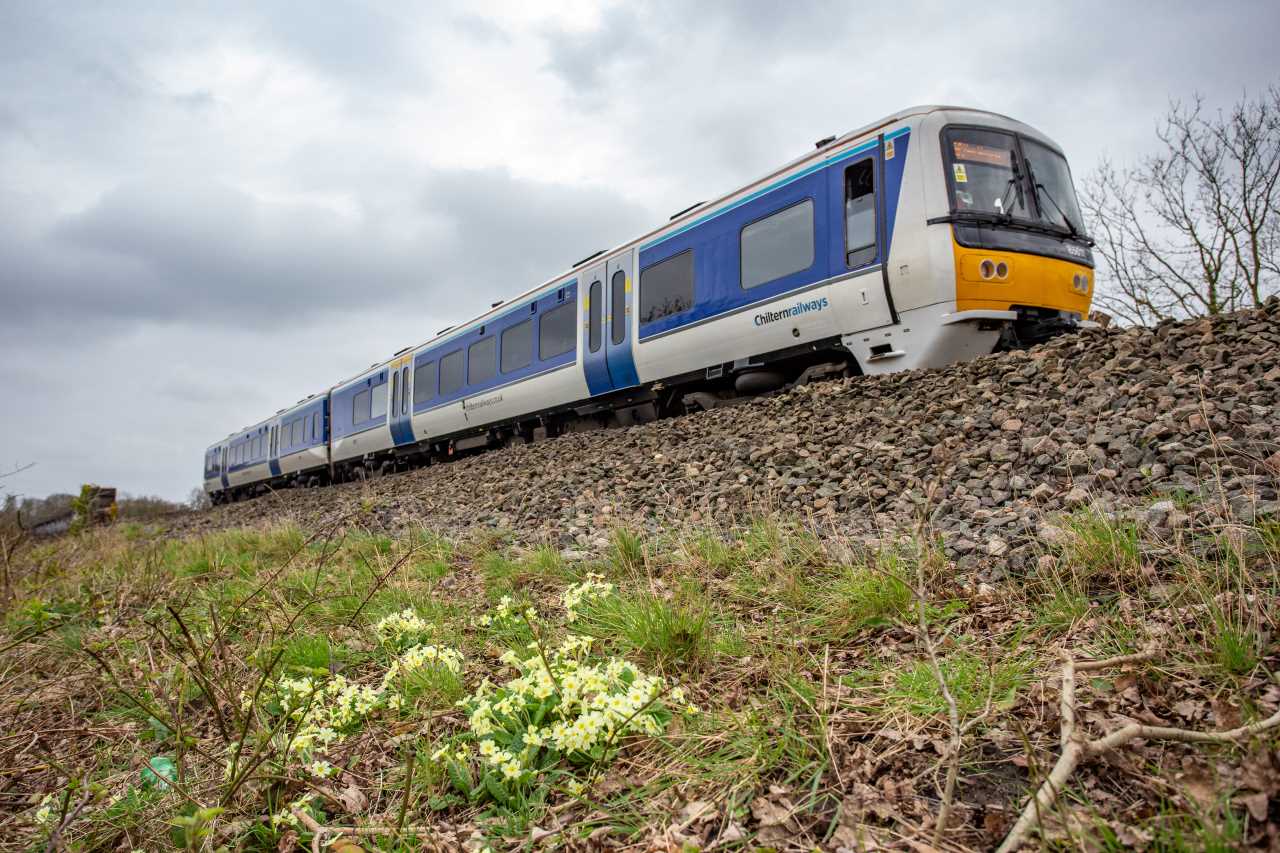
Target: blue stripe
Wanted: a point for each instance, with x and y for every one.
(853, 152)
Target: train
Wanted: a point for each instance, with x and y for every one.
(934, 235)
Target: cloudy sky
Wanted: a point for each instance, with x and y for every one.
(208, 211)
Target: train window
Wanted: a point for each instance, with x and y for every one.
(378, 406)
(297, 432)
(618, 307)
(315, 425)
(424, 382)
(360, 407)
(778, 245)
(404, 390)
(395, 391)
(666, 288)
(557, 331)
(451, 373)
(595, 310)
(482, 360)
(517, 346)
(860, 213)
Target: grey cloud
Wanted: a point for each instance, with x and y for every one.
(582, 58)
(211, 255)
(136, 210)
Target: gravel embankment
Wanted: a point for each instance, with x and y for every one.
(1124, 420)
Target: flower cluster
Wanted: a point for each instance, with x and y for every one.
(401, 629)
(594, 587)
(326, 711)
(505, 614)
(420, 657)
(562, 705)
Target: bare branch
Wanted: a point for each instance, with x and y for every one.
(1076, 749)
(1195, 227)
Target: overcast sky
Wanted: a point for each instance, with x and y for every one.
(209, 211)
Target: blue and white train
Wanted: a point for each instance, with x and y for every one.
(935, 235)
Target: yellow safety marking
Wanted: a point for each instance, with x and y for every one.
(1031, 280)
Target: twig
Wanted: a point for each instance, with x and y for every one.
(408, 787)
(380, 581)
(826, 708)
(318, 831)
(1076, 749)
(55, 837)
(953, 712)
(202, 675)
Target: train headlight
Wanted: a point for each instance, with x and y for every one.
(1080, 283)
(1002, 270)
(987, 269)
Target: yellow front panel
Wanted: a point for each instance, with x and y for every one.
(1030, 280)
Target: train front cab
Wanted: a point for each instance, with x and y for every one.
(1013, 229)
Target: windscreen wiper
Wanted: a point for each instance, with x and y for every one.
(977, 218)
(1071, 226)
(1015, 183)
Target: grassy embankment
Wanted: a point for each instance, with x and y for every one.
(158, 691)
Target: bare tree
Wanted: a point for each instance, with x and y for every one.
(199, 498)
(1194, 229)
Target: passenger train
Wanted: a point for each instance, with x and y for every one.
(934, 235)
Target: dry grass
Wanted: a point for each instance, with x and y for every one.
(821, 725)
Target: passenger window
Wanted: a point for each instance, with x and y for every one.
(451, 373)
(556, 331)
(360, 407)
(315, 426)
(517, 346)
(778, 245)
(395, 391)
(618, 307)
(297, 433)
(424, 382)
(379, 405)
(666, 288)
(404, 390)
(482, 361)
(860, 214)
(595, 311)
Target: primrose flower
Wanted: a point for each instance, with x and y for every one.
(321, 769)
(400, 627)
(44, 814)
(593, 587)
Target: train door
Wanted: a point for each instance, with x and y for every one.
(400, 403)
(594, 354)
(273, 449)
(856, 198)
(618, 320)
(222, 468)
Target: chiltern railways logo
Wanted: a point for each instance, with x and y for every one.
(796, 310)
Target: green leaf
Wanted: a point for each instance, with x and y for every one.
(460, 778)
(496, 789)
